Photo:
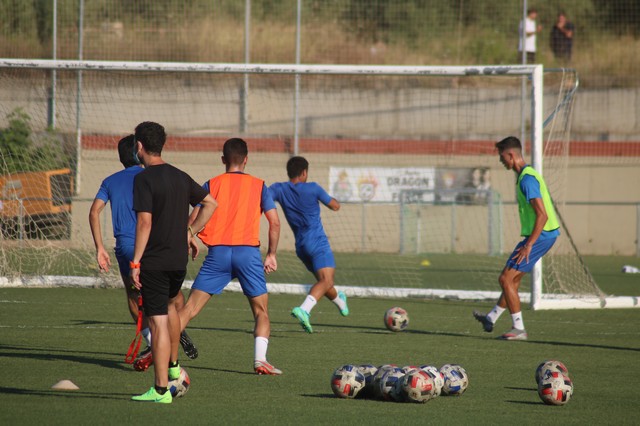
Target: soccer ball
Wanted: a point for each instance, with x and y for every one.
(436, 375)
(396, 319)
(555, 388)
(375, 381)
(178, 387)
(456, 379)
(347, 381)
(417, 386)
(368, 371)
(391, 385)
(550, 366)
(409, 368)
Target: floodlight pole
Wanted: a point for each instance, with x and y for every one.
(523, 93)
(51, 119)
(244, 108)
(79, 97)
(296, 99)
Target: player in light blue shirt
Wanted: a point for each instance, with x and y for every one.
(118, 189)
(300, 201)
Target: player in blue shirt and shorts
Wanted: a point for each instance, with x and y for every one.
(118, 189)
(300, 201)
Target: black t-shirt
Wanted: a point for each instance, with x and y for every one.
(166, 192)
(560, 43)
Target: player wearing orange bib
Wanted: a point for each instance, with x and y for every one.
(232, 237)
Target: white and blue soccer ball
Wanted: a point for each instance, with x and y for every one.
(417, 386)
(555, 388)
(391, 385)
(178, 387)
(436, 376)
(375, 381)
(550, 366)
(396, 319)
(409, 368)
(347, 381)
(456, 379)
(368, 371)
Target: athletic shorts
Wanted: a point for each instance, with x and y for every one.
(224, 263)
(124, 254)
(158, 287)
(316, 254)
(539, 249)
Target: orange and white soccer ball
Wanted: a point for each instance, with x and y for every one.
(555, 388)
(396, 319)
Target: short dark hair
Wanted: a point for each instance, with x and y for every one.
(235, 151)
(125, 151)
(152, 137)
(295, 166)
(508, 143)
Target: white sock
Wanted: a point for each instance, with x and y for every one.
(495, 313)
(260, 349)
(308, 304)
(339, 303)
(518, 323)
(146, 334)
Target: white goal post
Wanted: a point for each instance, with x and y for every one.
(534, 74)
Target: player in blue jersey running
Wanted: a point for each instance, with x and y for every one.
(300, 200)
(118, 189)
(540, 229)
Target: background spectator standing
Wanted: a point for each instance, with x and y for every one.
(561, 40)
(531, 29)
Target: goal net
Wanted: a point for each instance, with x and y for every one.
(427, 210)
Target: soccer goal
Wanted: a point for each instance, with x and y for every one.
(427, 210)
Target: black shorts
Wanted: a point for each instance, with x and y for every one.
(157, 288)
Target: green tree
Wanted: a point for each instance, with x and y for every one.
(21, 151)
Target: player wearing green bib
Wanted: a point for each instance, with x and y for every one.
(540, 228)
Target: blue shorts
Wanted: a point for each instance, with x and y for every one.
(316, 255)
(539, 249)
(224, 263)
(124, 254)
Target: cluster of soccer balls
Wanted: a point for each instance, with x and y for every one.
(178, 387)
(392, 383)
(554, 385)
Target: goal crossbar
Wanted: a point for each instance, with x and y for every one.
(238, 68)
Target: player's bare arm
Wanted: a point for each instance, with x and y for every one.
(197, 220)
(270, 262)
(334, 205)
(202, 213)
(143, 229)
(104, 262)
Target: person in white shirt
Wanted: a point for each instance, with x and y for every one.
(531, 29)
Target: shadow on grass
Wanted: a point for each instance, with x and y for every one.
(96, 322)
(524, 402)
(521, 389)
(321, 395)
(222, 370)
(63, 394)
(379, 330)
(45, 354)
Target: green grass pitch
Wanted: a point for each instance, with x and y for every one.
(47, 335)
